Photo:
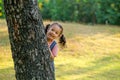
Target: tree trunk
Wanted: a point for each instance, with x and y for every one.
(28, 42)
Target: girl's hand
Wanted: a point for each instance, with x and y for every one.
(51, 55)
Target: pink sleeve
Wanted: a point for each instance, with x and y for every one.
(55, 50)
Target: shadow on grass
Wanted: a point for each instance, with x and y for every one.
(105, 68)
(7, 74)
(4, 40)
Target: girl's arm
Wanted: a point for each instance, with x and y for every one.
(51, 55)
(54, 52)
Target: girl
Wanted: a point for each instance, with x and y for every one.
(53, 32)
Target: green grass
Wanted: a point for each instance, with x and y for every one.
(92, 53)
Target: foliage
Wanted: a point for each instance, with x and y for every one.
(1, 10)
(109, 11)
(85, 11)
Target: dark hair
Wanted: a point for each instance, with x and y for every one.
(62, 39)
(46, 28)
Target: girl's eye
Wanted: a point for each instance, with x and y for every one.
(52, 29)
(56, 32)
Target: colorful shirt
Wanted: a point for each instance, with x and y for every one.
(54, 50)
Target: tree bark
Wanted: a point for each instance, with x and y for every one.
(28, 41)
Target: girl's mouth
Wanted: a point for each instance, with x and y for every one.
(51, 36)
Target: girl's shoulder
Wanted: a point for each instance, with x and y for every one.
(53, 45)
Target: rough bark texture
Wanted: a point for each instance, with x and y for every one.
(28, 42)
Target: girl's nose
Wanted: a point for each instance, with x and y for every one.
(53, 32)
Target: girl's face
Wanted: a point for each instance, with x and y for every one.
(53, 32)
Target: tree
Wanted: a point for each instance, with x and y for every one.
(1, 10)
(28, 42)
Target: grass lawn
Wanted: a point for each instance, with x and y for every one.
(92, 53)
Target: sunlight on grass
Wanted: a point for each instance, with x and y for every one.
(87, 67)
(92, 53)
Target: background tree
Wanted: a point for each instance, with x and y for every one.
(109, 10)
(1, 10)
(82, 11)
(28, 42)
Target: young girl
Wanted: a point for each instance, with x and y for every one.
(53, 32)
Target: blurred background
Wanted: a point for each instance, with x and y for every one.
(92, 30)
(81, 11)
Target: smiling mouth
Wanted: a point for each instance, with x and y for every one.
(51, 35)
